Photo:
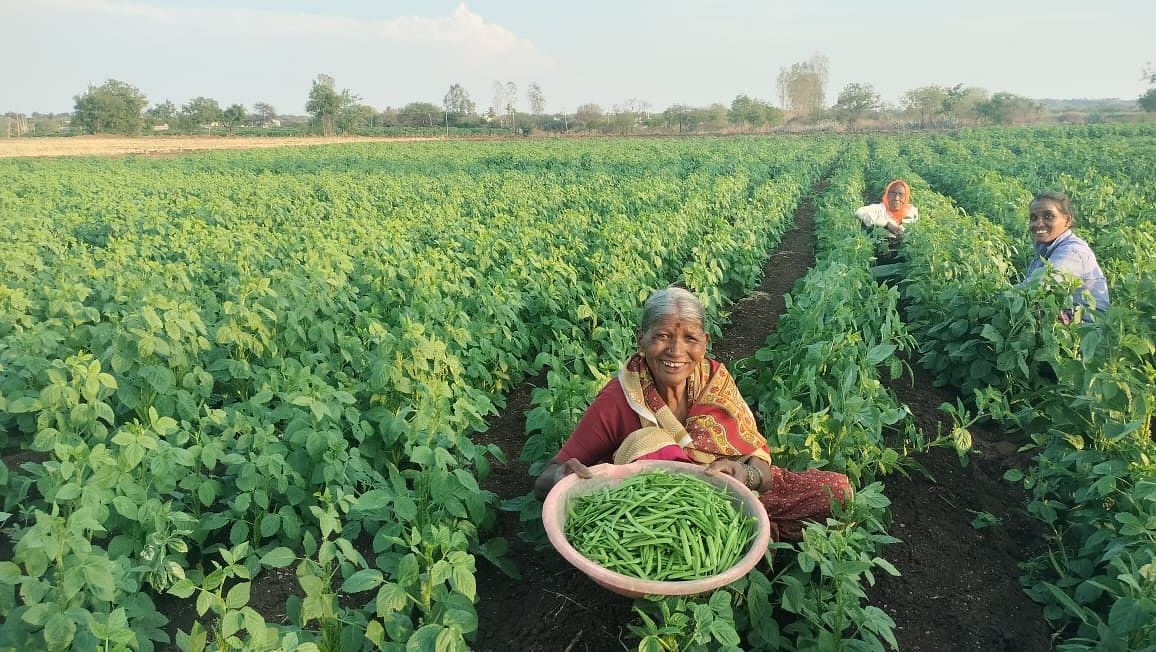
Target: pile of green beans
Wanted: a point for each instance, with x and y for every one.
(660, 526)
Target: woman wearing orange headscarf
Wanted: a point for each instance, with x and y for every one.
(892, 212)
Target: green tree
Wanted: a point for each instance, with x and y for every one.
(114, 107)
(265, 111)
(713, 117)
(1008, 108)
(420, 114)
(164, 113)
(753, 112)
(589, 116)
(201, 112)
(963, 102)
(324, 104)
(856, 102)
(354, 116)
(234, 115)
(678, 117)
(1148, 99)
(926, 102)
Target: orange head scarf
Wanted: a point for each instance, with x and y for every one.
(902, 212)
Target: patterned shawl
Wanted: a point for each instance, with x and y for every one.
(718, 424)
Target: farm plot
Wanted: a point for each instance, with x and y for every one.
(219, 366)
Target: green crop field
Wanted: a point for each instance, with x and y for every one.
(220, 364)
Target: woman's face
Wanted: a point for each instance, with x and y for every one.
(1047, 221)
(672, 348)
(895, 196)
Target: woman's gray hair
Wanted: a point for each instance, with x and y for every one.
(671, 302)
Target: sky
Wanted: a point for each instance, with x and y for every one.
(605, 52)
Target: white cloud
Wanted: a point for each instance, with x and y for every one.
(463, 30)
(112, 7)
(462, 27)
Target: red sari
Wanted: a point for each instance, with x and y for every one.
(629, 421)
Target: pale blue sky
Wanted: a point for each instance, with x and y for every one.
(601, 51)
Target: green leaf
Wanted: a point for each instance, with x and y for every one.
(270, 524)
(24, 404)
(278, 558)
(450, 639)
(10, 573)
(59, 631)
(238, 596)
(792, 599)
(98, 575)
(159, 378)
(424, 639)
(405, 508)
(961, 439)
(407, 570)
(207, 493)
(1067, 602)
(991, 334)
(375, 633)
(231, 623)
(363, 580)
(1130, 615)
(460, 614)
(879, 353)
(650, 644)
(69, 491)
(724, 632)
(183, 588)
(104, 412)
(373, 500)
(463, 581)
(1013, 475)
(390, 598)
(38, 614)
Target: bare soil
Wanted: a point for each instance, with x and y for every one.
(166, 145)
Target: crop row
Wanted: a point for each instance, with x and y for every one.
(1081, 394)
(233, 362)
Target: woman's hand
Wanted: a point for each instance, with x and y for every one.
(733, 468)
(754, 473)
(555, 472)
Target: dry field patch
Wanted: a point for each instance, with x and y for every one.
(161, 145)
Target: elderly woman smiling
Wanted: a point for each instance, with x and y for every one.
(1050, 219)
(894, 209)
(671, 402)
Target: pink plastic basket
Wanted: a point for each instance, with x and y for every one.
(610, 475)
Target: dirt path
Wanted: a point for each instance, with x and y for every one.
(960, 585)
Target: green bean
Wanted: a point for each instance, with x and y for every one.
(660, 526)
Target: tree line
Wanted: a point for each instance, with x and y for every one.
(116, 107)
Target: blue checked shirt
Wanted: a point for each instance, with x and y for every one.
(1071, 255)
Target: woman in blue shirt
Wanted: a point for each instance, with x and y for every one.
(1050, 223)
